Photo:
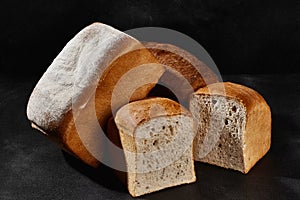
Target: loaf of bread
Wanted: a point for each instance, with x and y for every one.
(156, 135)
(233, 126)
(73, 97)
(184, 72)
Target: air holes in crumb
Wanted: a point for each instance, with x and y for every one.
(176, 122)
(220, 145)
(233, 108)
(152, 129)
(147, 187)
(214, 101)
(234, 135)
(163, 127)
(171, 130)
(154, 142)
(226, 121)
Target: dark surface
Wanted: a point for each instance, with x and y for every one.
(32, 167)
(242, 36)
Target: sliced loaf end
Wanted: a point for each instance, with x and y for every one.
(234, 128)
(158, 151)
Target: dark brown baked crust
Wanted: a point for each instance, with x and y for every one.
(195, 74)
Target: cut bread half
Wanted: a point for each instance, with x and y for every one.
(73, 97)
(156, 135)
(234, 126)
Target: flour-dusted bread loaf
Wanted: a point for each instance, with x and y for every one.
(156, 135)
(184, 73)
(234, 126)
(73, 97)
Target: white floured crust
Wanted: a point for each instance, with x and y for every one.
(86, 83)
(75, 71)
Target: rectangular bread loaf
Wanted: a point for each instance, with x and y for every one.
(72, 101)
(156, 135)
(233, 126)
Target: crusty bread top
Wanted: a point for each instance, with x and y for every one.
(191, 68)
(247, 96)
(75, 72)
(137, 112)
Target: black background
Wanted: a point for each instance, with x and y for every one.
(254, 43)
(241, 36)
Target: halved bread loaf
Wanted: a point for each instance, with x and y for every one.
(184, 72)
(234, 126)
(156, 136)
(73, 97)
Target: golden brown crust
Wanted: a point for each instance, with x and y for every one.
(247, 96)
(147, 109)
(257, 134)
(114, 136)
(195, 72)
(68, 132)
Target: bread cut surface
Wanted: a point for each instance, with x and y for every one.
(156, 135)
(234, 126)
(74, 94)
(184, 72)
